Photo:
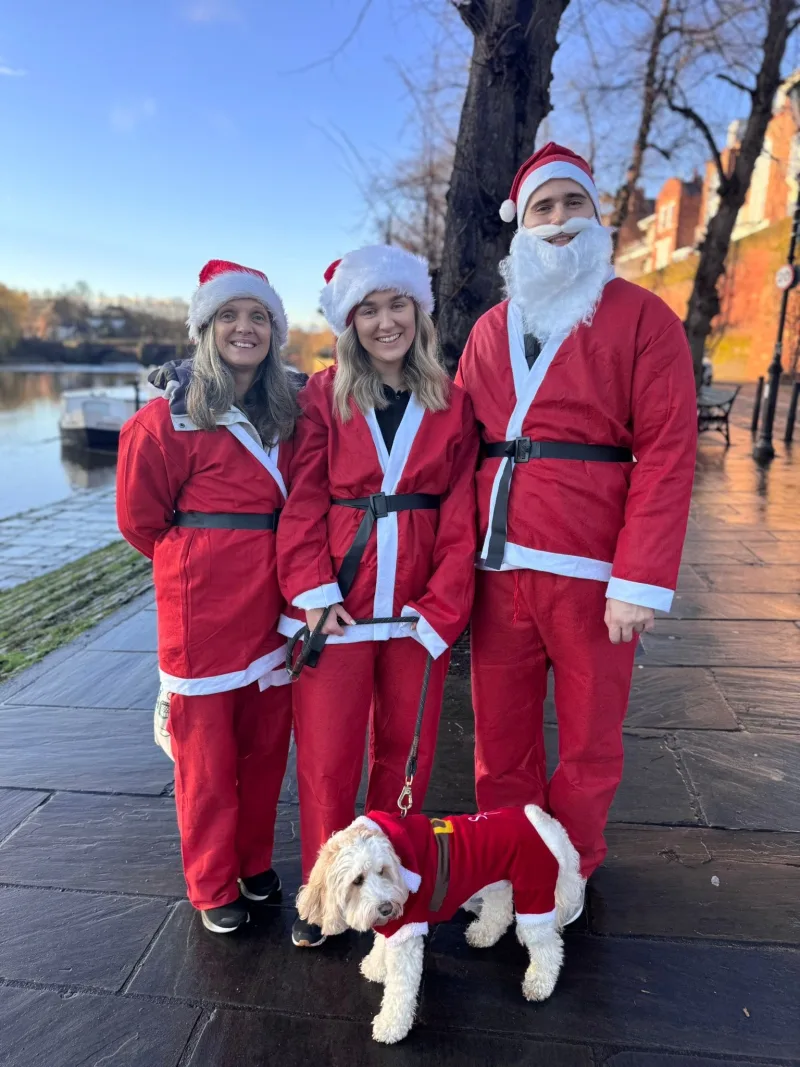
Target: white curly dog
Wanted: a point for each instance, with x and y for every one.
(396, 875)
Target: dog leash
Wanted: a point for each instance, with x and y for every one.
(312, 644)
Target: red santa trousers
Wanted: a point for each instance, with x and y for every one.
(525, 622)
(373, 684)
(230, 754)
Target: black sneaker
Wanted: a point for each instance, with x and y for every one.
(260, 887)
(226, 919)
(306, 935)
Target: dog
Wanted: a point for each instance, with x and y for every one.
(395, 875)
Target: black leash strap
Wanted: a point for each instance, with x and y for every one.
(405, 800)
(523, 450)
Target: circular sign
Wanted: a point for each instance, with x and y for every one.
(786, 277)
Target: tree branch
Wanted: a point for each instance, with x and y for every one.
(339, 49)
(665, 153)
(692, 116)
(473, 14)
(736, 84)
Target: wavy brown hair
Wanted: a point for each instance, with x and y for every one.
(269, 403)
(423, 372)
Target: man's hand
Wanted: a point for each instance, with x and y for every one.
(624, 620)
(333, 624)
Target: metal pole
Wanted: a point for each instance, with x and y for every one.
(763, 450)
(792, 416)
(757, 405)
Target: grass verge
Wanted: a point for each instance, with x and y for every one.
(45, 613)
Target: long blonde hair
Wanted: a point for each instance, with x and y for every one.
(356, 377)
(269, 403)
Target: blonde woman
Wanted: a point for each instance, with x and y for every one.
(380, 523)
(201, 482)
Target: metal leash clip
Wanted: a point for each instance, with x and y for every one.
(406, 801)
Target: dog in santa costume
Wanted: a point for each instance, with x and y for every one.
(583, 388)
(397, 876)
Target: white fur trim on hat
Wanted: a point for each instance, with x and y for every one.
(235, 285)
(536, 179)
(569, 887)
(372, 269)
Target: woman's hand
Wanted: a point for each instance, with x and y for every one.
(624, 620)
(336, 620)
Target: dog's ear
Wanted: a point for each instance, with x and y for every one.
(312, 898)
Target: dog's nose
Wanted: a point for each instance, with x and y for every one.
(385, 910)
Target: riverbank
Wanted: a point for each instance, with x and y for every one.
(41, 615)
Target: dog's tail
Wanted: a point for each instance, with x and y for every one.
(569, 887)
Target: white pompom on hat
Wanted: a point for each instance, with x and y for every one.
(551, 161)
(221, 281)
(373, 269)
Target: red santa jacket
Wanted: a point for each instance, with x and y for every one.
(490, 847)
(216, 590)
(416, 562)
(625, 380)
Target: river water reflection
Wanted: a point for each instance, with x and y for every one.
(33, 470)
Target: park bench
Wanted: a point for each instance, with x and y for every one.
(714, 408)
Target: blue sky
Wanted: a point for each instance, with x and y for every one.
(143, 137)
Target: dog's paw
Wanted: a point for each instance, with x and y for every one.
(389, 1030)
(538, 983)
(482, 935)
(373, 967)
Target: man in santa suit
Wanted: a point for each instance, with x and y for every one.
(583, 388)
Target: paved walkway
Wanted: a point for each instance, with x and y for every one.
(44, 539)
(688, 956)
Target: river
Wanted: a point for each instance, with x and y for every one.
(34, 471)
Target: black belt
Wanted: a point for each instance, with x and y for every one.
(522, 450)
(377, 506)
(204, 520)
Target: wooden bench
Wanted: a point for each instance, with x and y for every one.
(714, 408)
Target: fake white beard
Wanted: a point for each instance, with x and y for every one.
(557, 287)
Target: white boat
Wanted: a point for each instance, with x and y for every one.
(91, 419)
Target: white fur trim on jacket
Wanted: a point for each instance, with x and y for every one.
(373, 269)
(234, 285)
(569, 887)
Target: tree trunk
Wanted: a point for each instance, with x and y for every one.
(622, 200)
(704, 302)
(507, 97)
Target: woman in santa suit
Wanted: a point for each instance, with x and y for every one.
(380, 523)
(201, 482)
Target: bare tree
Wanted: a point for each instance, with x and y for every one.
(508, 96)
(759, 86)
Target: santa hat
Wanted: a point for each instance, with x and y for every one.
(401, 840)
(221, 281)
(551, 161)
(378, 267)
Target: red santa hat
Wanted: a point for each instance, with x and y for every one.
(551, 161)
(378, 267)
(401, 840)
(221, 281)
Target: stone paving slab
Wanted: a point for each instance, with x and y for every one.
(138, 634)
(80, 749)
(735, 606)
(657, 881)
(767, 699)
(102, 843)
(43, 1028)
(773, 578)
(645, 1058)
(745, 781)
(115, 680)
(677, 698)
(623, 991)
(254, 1039)
(703, 643)
(75, 939)
(16, 805)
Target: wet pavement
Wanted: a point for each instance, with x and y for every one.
(688, 955)
(39, 541)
